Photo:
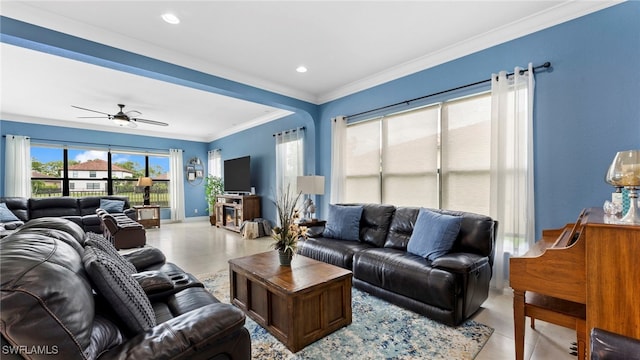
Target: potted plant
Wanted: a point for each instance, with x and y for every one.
(212, 188)
(287, 234)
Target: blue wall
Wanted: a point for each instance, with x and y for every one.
(586, 109)
(259, 143)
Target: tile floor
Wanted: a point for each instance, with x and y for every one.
(201, 248)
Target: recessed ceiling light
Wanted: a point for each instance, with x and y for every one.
(170, 18)
(301, 69)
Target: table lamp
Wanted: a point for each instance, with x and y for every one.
(310, 185)
(146, 182)
(625, 171)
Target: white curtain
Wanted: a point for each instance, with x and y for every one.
(17, 168)
(289, 159)
(176, 192)
(512, 200)
(214, 162)
(338, 148)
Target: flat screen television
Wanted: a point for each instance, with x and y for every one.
(237, 175)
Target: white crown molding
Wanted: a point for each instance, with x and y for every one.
(86, 126)
(144, 132)
(553, 16)
(561, 13)
(255, 122)
(29, 14)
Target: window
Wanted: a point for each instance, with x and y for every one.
(289, 159)
(87, 173)
(94, 186)
(432, 156)
(214, 162)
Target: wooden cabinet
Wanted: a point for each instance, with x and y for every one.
(233, 210)
(148, 215)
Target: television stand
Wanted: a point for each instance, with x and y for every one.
(233, 210)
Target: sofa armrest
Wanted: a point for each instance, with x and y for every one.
(460, 262)
(201, 333)
(145, 257)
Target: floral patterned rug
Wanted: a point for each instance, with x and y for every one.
(379, 330)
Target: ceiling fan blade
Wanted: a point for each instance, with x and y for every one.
(152, 122)
(92, 117)
(96, 111)
(133, 113)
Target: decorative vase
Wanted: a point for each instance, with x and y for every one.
(285, 257)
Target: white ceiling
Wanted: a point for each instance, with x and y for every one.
(346, 45)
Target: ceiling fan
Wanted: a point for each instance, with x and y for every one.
(121, 118)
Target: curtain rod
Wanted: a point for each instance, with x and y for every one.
(65, 142)
(288, 131)
(545, 65)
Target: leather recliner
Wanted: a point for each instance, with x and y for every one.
(50, 306)
(122, 231)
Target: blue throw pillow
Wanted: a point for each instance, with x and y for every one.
(112, 206)
(434, 234)
(7, 215)
(343, 222)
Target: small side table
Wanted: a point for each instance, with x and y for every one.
(148, 215)
(312, 223)
(315, 227)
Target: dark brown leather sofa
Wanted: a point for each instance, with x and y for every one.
(56, 302)
(81, 211)
(449, 289)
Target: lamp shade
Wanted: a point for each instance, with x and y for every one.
(145, 181)
(312, 184)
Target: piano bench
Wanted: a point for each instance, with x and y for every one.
(560, 312)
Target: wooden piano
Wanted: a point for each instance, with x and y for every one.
(588, 271)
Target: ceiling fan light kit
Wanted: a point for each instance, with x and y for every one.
(121, 118)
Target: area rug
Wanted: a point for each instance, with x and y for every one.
(379, 330)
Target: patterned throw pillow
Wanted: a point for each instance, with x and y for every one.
(125, 296)
(100, 242)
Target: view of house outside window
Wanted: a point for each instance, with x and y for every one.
(87, 174)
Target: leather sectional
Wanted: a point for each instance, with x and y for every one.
(81, 211)
(68, 294)
(448, 289)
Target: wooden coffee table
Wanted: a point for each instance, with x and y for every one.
(298, 304)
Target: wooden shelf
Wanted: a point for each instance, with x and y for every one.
(233, 210)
